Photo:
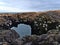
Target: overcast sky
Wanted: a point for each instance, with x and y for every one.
(28, 5)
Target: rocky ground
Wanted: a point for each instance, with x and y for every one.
(52, 37)
(45, 28)
(8, 36)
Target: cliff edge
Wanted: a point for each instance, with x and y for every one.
(40, 22)
(45, 28)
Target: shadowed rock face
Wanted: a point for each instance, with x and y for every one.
(44, 24)
(40, 22)
(52, 37)
(7, 37)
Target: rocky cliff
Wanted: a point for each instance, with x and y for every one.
(52, 37)
(40, 22)
(45, 28)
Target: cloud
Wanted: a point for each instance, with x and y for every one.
(12, 9)
(16, 6)
(2, 3)
(29, 5)
(9, 9)
(39, 5)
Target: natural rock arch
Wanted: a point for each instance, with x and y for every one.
(40, 22)
(23, 29)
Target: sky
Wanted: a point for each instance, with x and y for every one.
(28, 5)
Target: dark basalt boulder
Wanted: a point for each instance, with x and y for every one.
(8, 36)
(52, 37)
(40, 22)
(45, 28)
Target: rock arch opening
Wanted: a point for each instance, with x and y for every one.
(40, 23)
(23, 29)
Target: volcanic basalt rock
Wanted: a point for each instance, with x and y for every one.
(45, 26)
(8, 36)
(52, 37)
(40, 22)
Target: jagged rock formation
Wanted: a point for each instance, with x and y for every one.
(7, 37)
(52, 37)
(40, 22)
(42, 25)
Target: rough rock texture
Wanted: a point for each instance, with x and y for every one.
(45, 26)
(52, 37)
(8, 36)
(40, 22)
